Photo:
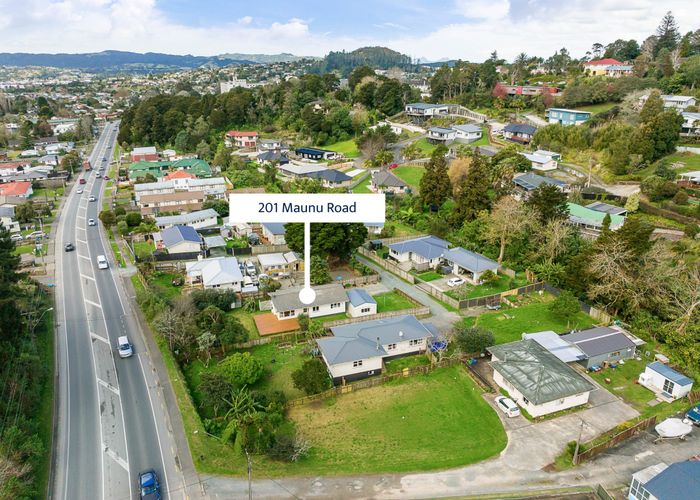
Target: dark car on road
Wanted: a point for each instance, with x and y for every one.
(69, 247)
(149, 487)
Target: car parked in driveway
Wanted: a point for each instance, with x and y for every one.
(34, 235)
(16, 237)
(507, 406)
(149, 486)
(694, 415)
(455, 281)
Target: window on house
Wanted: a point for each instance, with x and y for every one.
(335, 305)
(364, 310)
(668, 386)
(357, 363)
(314, 308)
(391, 347)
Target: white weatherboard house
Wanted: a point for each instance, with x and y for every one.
(359, 350)
(361, 303)
(197, 220)
(537, 380)
(274, 264)
(425, 252)
(181, 239)
(541, 161)
(666, 382)
(330, 299)
(220, 272)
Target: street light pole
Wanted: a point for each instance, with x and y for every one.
(33, 324)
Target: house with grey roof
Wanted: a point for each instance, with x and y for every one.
(360, 303)
(420, 253)
(198, 219)
(280, 264)
(519, 132)
(467, 133)
(422, 110)
(602, 344)
(469, 265)
(536, 379)
(607, 208)
(331, 178)
(330, 299)
(527, 182)
(274, 232)
(216, 273)
(383, 181)
(555, 344)
(441, 135)
(358, 350)
(181, 240)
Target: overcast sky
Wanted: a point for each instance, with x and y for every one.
(466, 29)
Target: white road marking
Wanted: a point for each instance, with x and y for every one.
(113, 455)
(92, 303)
(84, 257)
(109, 386)
(80, 217)
(100, 337)
(87, 277)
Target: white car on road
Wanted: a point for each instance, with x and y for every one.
(92, 198)
(455, 281)
(91, 222)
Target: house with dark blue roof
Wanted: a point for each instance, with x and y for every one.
(360, 303)
(420, 253)
(519, 132)
(528, 182)
(679, 481)
(667, 383)
(317, 154)
(330, 178)
(274, 232)
(179, 239)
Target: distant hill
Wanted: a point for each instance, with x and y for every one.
(375, 57)
(266, 58)
(114, 61)
(438, 64)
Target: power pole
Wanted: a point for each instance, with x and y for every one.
(578, 441)
(250, 474)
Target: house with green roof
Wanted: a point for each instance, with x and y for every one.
(158, 169)
(592, 220)
(537, 380)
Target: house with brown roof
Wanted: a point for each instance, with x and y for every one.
(240, 139)
(179, 201)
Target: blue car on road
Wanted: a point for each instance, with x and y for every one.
(149, 487)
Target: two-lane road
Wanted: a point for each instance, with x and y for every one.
(111, 420)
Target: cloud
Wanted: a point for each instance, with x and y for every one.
(474, 29)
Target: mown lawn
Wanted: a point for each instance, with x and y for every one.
(425, 147)
(143, 249)
(623, 383)
(363, 187)
(473, 291)
(161, 283)
(348, 148)
(396, 365)
(508, 324)
(597, 108)
(392, 301)
(410, 175)
(429, 276)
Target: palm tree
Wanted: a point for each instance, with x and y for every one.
(241, 410)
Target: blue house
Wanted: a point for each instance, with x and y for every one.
(679, 481)
(567, 116)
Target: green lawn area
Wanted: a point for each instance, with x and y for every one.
(691, 161)
(348, 148)
(47, 193)
(161, 283)
(410, 175)
(425, 147)
(598, 108)
(117, 253)
(363, 187)
(247, 321)
(392, 301)
(622, 383)
(398, 364)
(509, 323)
(401, 229)
(143, 249)
(473, 291)
(348, 436)
(429, 276)
(332, 317)
(44, 417)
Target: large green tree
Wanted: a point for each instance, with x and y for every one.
(548, 202)
(337, 240)
(435, 184)
(473, 194)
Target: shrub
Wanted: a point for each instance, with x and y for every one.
(219, 298)
(241, 369)
(473, 339)
(133, 219)
(312, 377)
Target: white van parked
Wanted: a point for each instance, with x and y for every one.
(102, 262)
(507, 406)
(125, 349)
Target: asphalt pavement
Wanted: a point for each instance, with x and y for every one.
(112, 422)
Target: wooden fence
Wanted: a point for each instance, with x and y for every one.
(478, 301)
(258, 249)
(373, 382)
(389, 266)
(360, 280)
(615, 440)
(694, 396)
(422, 311)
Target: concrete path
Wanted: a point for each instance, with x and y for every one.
(441, 318)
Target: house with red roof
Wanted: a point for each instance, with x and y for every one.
(240, 139)
(607, 67)
(20, 189)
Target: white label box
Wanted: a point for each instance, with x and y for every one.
(273, 207)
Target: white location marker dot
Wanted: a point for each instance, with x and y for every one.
(307, 296)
